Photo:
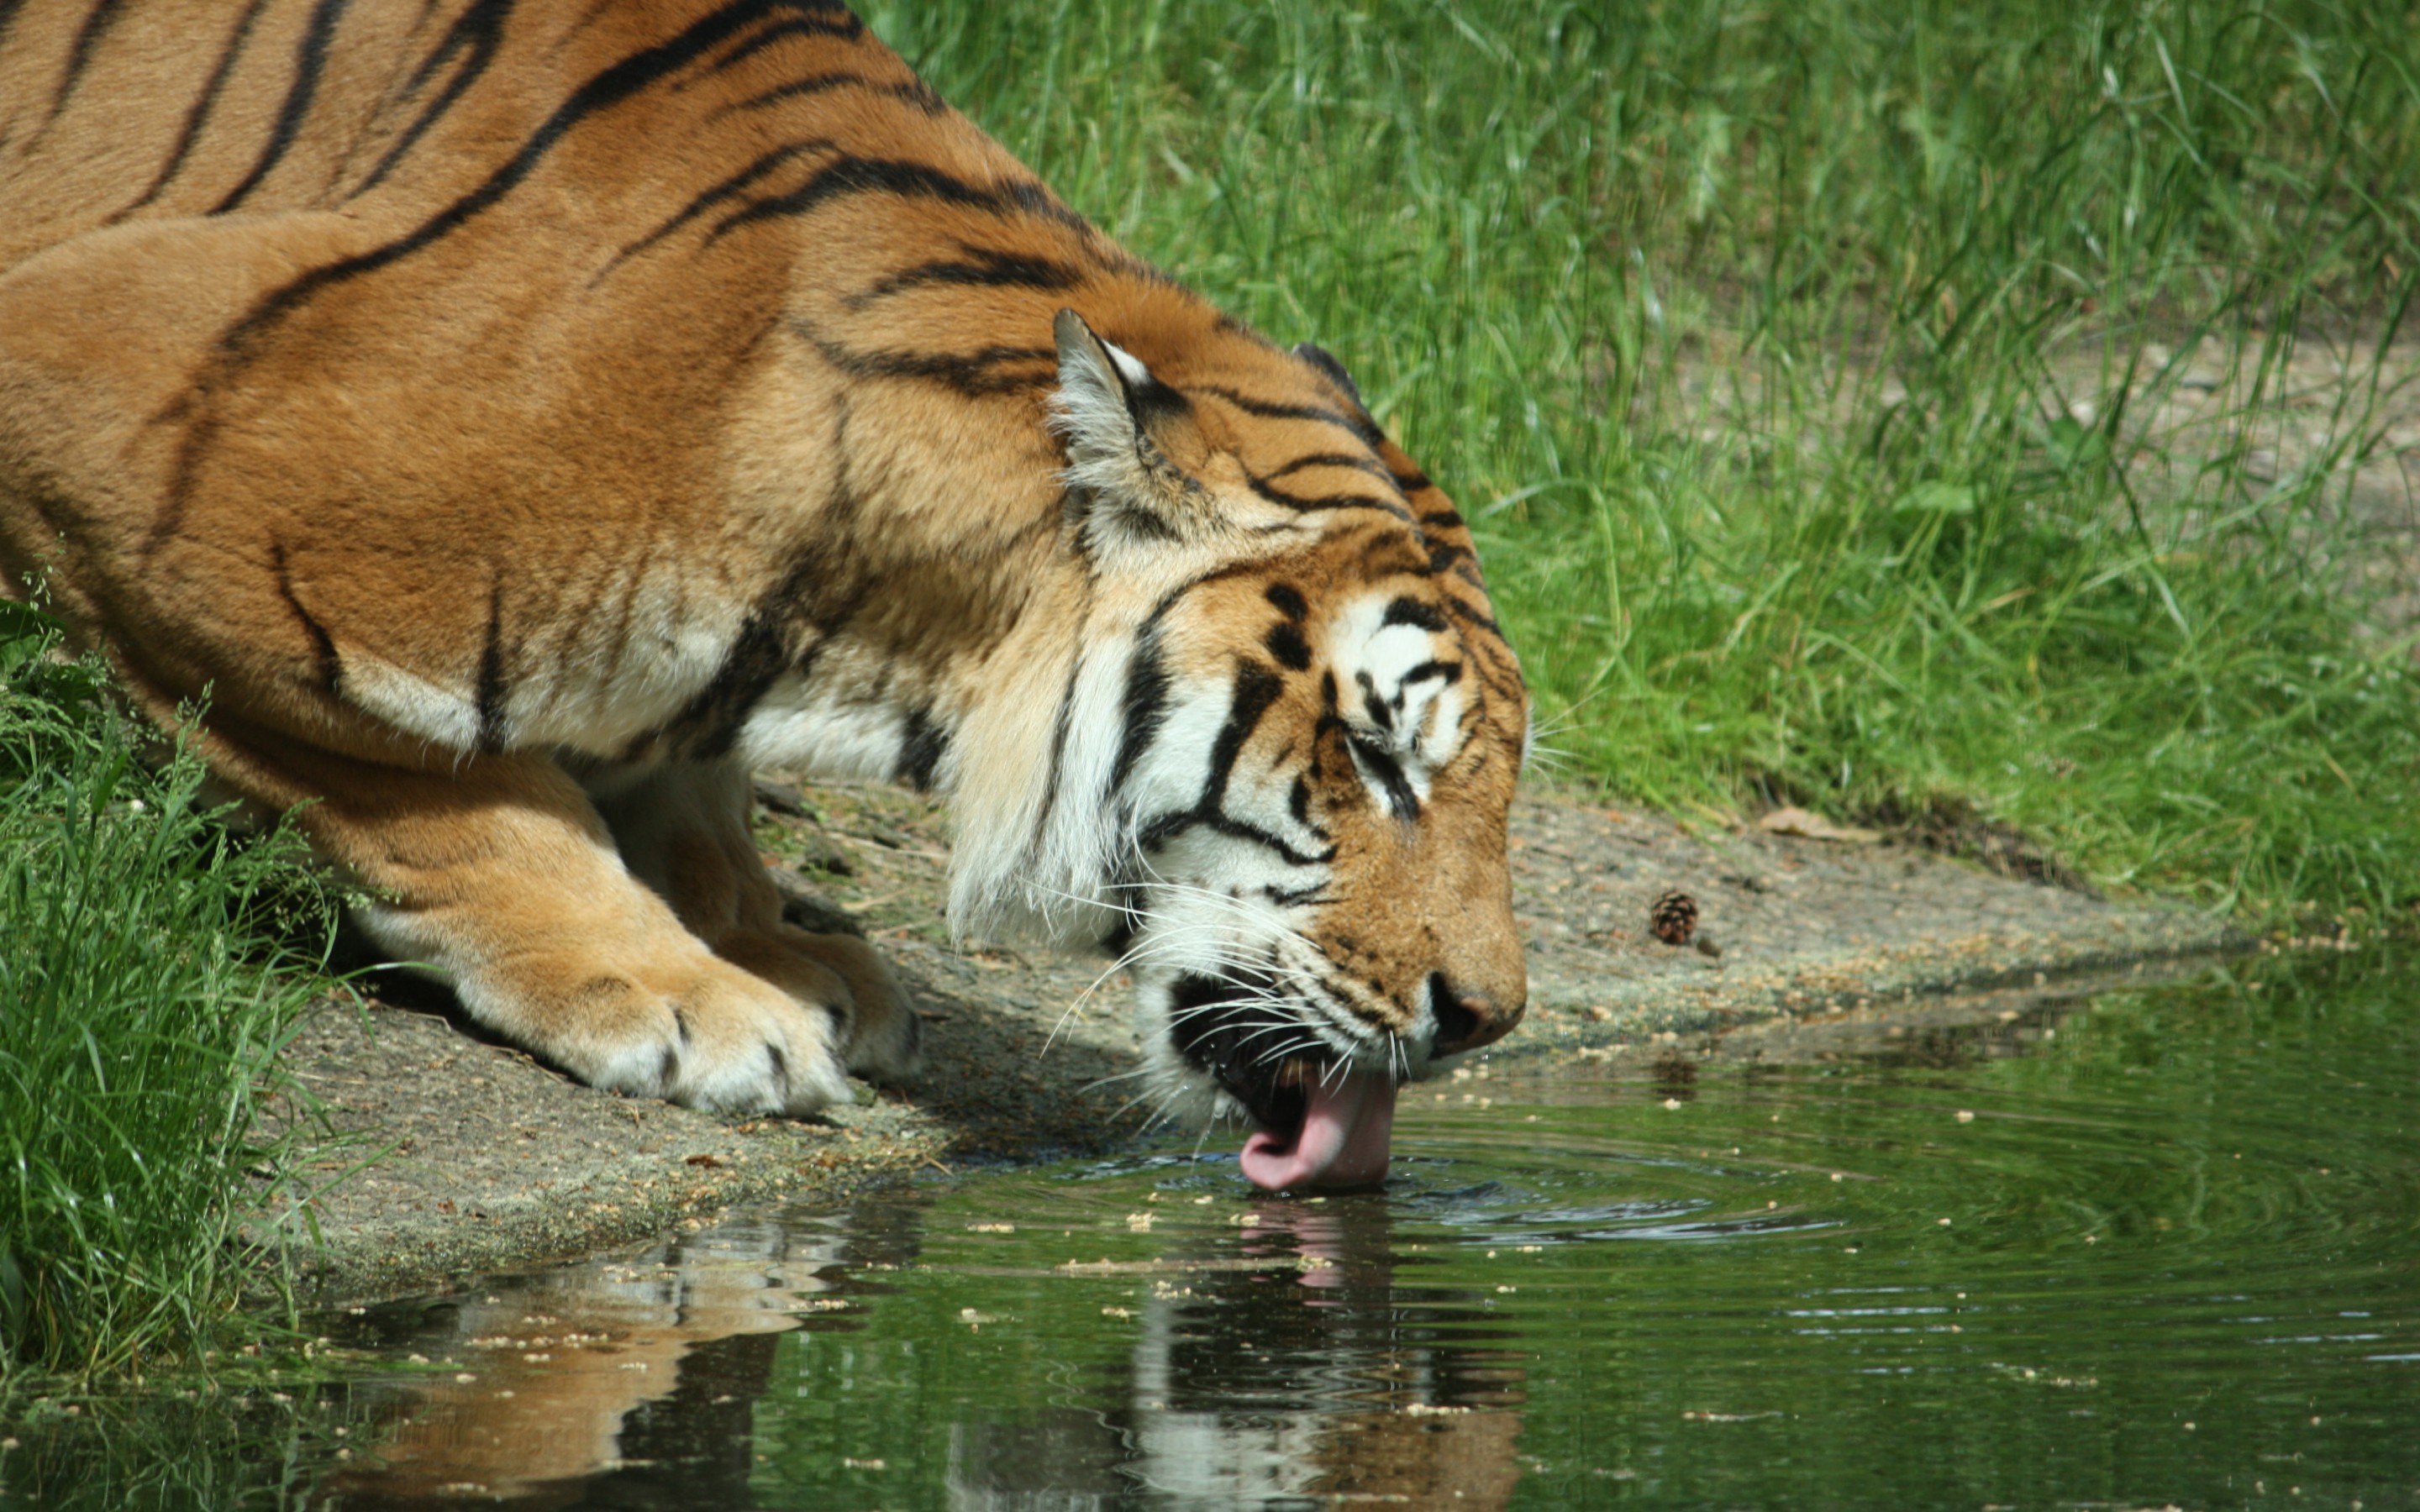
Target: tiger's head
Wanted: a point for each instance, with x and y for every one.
(1283, 790)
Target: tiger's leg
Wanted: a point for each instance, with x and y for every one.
(683, 830)
(501, 875)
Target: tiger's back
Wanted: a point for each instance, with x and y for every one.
(455, 239)
(522, 417)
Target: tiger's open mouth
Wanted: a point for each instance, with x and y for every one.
(1321, 1122)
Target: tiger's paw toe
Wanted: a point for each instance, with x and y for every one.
(886, 1040)
(881, 1036)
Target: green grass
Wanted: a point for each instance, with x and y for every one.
(141, 1010)
(1897, 576)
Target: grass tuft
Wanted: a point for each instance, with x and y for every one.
(148, 980)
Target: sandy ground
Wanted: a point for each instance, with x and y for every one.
(441, 1155)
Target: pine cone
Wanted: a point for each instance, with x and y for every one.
(1674, 917)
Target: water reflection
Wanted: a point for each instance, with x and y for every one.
(2164, 1257)
(1305, 1364)
(640, 1373)
(1299, 1360)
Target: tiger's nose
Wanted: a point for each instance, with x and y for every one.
(1467, 1018)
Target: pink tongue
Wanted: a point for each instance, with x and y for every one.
(1343, 1138)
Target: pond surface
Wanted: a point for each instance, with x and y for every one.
(2157, 1248)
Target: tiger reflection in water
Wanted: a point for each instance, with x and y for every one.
(638, 1385)
(1248, 1390)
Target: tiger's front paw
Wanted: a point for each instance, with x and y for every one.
(724, 1042)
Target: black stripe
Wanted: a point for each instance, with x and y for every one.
(728, 188)
(812, 26)
(1061, 723)
(1142, 712)
(1274, 409)
(1468, 615)
(96, 22)
(1224, 823)
(1405, 803)
(1287, 645)
(1446, 554)
(1333, 459)
(477, 33)
(1447, 519)
(1381, 714)
(324, 644)
(198, 115)
(1326, 502)
(491, 672)
(821, 590)
(1256, 691)
(707, 726)
(1145, 709)
(852, 176)
(1408, 610)
(914, 92)
(310, 59)
(920, 750)
(796, 89)
(1168, 826)
(983, 267)
(1288, 599)
(972, 373)
(1153, 403)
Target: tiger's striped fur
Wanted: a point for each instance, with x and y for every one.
(521, 417)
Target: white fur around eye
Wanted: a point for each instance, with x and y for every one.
(1396, 665)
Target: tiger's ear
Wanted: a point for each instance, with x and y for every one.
(1119, 476)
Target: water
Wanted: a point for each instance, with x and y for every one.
(2172, 1259)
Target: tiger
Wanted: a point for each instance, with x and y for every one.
(490, 430)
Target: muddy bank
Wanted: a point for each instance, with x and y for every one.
(478, 1158)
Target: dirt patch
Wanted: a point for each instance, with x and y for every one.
(479, 1158)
